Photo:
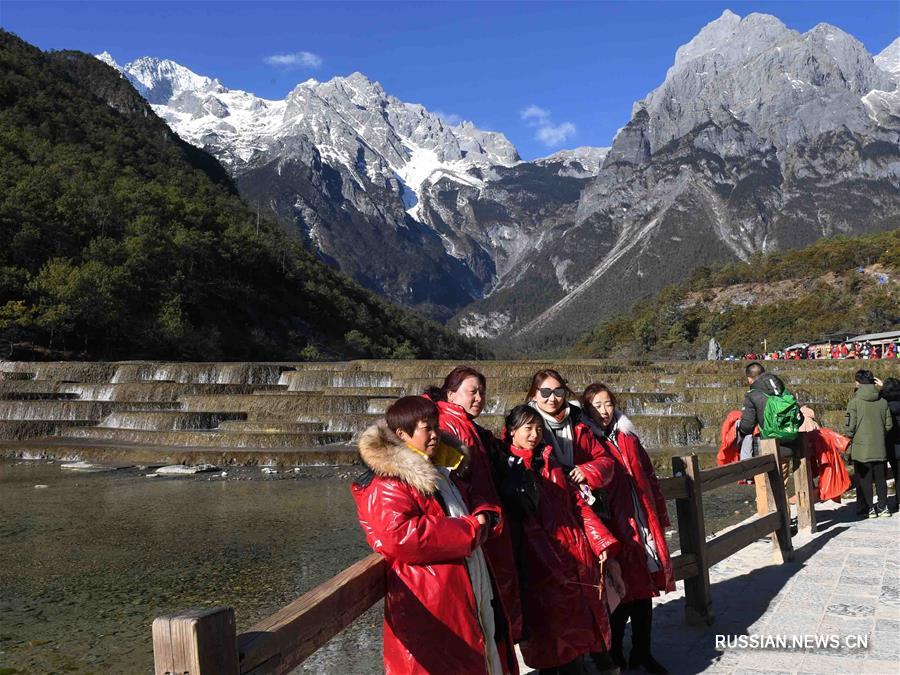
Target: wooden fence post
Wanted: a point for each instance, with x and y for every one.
(692, 533)
(805, 488)
(196, 642)
(782, 548)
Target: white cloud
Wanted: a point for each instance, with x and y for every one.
(548, 133)
(452, 119)
(296, 60)
(535, 115)
(551, 135)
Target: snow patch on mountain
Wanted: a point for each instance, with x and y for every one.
(583, 162)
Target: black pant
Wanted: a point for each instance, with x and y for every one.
(865, 472)
(641, 614)
(892, 456)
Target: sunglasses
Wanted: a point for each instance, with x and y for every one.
(559, 392)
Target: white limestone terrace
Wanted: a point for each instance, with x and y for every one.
(350, 120)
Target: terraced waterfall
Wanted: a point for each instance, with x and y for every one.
(308, 413)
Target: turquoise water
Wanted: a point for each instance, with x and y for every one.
(88, 562)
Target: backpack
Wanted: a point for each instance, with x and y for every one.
(781, 417)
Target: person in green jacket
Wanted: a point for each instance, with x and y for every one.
(867, 420)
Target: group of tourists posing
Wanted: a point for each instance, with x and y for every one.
(551, 536)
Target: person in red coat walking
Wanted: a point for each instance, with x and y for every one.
(439, 614)
(638, 518)
(562, 542)
(460, 400)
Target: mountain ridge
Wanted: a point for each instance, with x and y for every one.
(759, 137)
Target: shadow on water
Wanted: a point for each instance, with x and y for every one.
(738, 604)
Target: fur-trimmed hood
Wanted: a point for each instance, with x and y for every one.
(623, 424)
(387, 456)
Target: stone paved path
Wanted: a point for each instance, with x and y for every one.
(844, 580)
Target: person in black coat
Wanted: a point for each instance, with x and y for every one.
(890, 392)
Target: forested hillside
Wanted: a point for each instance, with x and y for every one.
(848, 285)
(119, 240)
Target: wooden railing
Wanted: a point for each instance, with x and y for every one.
(205, 642)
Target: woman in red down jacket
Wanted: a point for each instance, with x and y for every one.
(460, 400)
(562, 542)
(638, 518)
(585, 459)
(439, 615)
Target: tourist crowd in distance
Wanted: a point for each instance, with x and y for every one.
(550, 536)
(831, 350)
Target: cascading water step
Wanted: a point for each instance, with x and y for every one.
(37, 396)
(11, 376)
(71, 410)
(169, 420)
(211, 438)
(109, 450)
(157, 391)
(200, 373)
(269, 426)
(17, 430)
(277, 404)
(317, 380)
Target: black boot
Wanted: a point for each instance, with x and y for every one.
(605, 664)
(617, 621)
(641, 626)
(618, 657)
(646, 662)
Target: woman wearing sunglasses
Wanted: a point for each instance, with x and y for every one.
(638, 518)
(460, 400)
(562, 544)
(575, 448)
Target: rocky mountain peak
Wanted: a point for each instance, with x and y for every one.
(730, 39)
(889, 59)
(163, 79)
(784, 85)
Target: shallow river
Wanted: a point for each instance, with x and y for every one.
(87, 562)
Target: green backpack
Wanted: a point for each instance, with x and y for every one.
(781, 418)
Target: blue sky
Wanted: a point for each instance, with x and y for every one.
(578, 66)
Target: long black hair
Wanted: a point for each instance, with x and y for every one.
(890, 390)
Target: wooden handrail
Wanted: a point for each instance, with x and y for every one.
(203, 642)
(280, 642)
(746, 468)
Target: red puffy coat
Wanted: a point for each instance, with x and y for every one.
(498, 550)
(587, 452)
(635, 472)
(828, 445)
(564, 613)
(431, 623)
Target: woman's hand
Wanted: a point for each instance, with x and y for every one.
(483, 530)
(577, 475)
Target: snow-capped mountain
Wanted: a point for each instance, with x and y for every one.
(349, 167)
(351, 120)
